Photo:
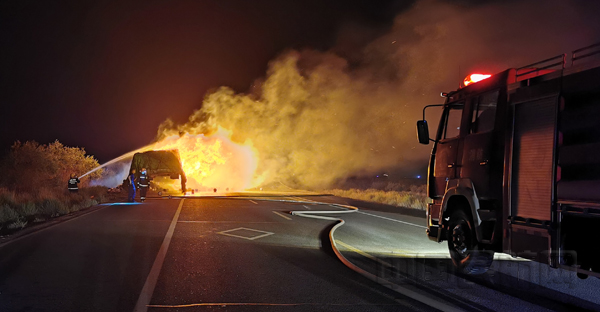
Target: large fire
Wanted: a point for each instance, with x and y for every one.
(214, 161)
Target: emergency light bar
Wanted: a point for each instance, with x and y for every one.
(473, 78)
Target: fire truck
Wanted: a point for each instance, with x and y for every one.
(515, 166)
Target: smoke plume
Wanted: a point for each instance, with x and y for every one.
(318, 117)
(114, 174)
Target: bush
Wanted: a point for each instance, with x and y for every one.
(7, 214)
(54, 208)
(394, 198)
(28, 209)
(76, 207)
(87, 203)
(45, 193)
(33, 183)
(99, 193)
(17, 225)
(7, 197)
(50, 164)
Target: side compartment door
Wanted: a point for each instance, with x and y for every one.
(532, 175)
(446, 160)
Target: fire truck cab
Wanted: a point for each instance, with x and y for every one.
(515, 166)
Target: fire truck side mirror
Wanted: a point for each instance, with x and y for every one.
(423, 132)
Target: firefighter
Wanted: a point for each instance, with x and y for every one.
(131, 181)
(143, 184)
(72, 184)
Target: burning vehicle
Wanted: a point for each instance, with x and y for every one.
(161, 165)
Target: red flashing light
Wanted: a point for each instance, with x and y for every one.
(473, 78)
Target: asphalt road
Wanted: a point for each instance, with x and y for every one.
(223, 254)
(393, 248)
(250, 254)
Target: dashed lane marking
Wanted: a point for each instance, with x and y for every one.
(282, 215)
(250, 200)
(307, 208)
(305, 199)
(394, 220)
(148, 289)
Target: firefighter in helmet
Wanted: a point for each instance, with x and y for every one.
(72, 184)
(131, 183)
(143, 184)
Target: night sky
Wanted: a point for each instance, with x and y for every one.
(103, 75)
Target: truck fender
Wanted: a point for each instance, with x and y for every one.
(465, 189)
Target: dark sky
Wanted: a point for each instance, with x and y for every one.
(103, 75)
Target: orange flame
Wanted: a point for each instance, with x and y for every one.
(214, 161)
(473, 78)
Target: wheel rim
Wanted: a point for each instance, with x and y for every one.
(460, 240)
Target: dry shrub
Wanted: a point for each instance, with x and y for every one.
(414, 200)
(7, 197)
(45, 193)
(76, 207)
(7, 214)
(53, 207)
(50, 164)
(28, 209)
(99, 193)
(18, 224)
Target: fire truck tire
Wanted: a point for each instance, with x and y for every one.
(465, 251)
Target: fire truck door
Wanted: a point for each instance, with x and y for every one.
(446, 164)
(478, 143)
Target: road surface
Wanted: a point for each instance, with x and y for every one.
(226, 254)
(251, 254)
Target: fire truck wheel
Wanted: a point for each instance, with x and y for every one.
(465, 252)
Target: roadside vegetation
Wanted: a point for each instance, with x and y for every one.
(389, 193)
(33, 184)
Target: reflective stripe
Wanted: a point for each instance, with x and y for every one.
(73, 188)
(144, 185)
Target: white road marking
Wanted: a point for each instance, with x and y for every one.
(394, 220)
(308, 208)
(148, 289)
(225, 304)
(282, 215)
(305, 199)
(250, 200)
(245, 237)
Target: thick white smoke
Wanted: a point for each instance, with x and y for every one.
(315, 119)
(113, 174)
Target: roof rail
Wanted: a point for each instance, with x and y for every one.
(588, 51)
(545, 64)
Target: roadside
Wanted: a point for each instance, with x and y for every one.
(23, 210)
(42, 225)
(44, 213)
(369, 205)
(415, 198)
(393, 248)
